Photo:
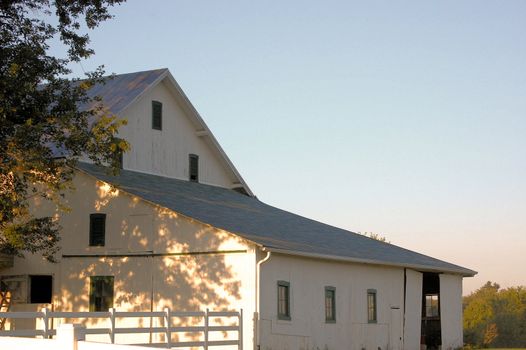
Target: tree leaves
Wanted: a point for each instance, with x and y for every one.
(41, 114)
(495, 317)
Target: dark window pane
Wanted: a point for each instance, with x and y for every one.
(194, 167)
(371, 306)
(97, 230)
(283, 300)
(330, 304)
(101, 293)
(41, 289)
(157, 115)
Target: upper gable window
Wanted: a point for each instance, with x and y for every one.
(193, 167)
(157, 115)
(97, 230)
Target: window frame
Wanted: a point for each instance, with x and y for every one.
(159, 125)
(119, 153)
(92, 238)
(432, 307)
(287, 315)
(92, 292)
(372, 293)
(193, 158)
(330, 291)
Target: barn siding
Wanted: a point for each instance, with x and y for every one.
(413, 309)
(451, 311)
(186, 282)
(307, 328)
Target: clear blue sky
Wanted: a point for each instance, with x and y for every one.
(403, 118)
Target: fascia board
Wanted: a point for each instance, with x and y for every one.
(460, 271)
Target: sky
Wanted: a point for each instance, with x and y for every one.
(406, 118)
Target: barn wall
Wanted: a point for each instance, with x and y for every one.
(451, 311)
(413, 309)
(183, 282)
(307, 328)
(165, 152)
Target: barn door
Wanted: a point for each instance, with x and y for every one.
(395, 329)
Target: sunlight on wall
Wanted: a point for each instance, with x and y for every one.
(105, 193)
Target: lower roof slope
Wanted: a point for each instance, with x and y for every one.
(267, 226)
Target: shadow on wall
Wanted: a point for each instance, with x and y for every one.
(158, 259)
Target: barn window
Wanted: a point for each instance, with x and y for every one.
(193, 167)
(371, 306)
(40, 289)
(119, 153)
(330, 304)
(97, 229)
(157, 115)
(431, 305)
(283, 300)
(101, 293)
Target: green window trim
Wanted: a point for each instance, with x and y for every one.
(372, 306)
(284, 301)
(157, 115)
(101, 293)
(330, 304)
(97, 230)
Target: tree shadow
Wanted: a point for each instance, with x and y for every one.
(159, 259)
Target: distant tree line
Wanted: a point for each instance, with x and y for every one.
(495, 317)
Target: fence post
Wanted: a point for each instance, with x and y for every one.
(68, 336)
(112, 320)
(240, 332)
(46, 323)
(205, 346)
(168, 324)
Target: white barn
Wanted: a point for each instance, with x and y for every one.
(179, 227)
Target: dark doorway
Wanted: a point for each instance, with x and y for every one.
(431, 331)
(41, 289)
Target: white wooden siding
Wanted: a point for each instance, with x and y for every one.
(165, 152)
(413, 309)
(451, 311)
(307, 328)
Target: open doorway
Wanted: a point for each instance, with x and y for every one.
(431, 337)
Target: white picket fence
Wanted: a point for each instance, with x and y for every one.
(167, 328)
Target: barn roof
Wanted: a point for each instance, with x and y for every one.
(119, 91)
(267, 226)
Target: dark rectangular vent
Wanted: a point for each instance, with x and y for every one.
(194, 167)
(97, 230)
(157, 115)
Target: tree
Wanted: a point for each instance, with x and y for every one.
(40, 113)
(495, 317)
(375, 236)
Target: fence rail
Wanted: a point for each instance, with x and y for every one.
(112, 315)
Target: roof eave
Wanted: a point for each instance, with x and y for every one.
(426, 268)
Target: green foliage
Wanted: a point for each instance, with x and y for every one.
(39, 112)
(495, 317)
(375, 236)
